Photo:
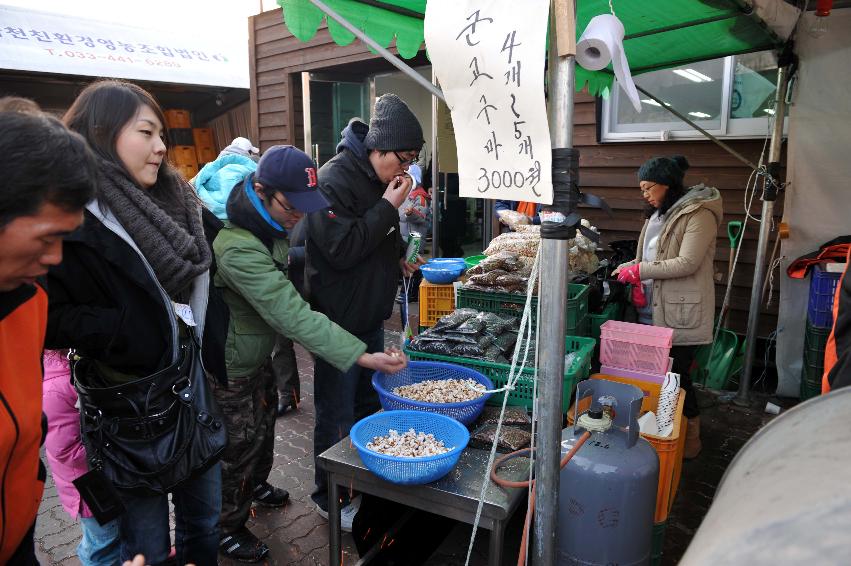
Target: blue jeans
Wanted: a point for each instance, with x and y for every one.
(101, 543)
(197, 505)
(341, 399)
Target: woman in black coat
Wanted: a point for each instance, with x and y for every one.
(132, 296)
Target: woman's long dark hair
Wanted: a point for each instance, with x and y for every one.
(676, 188)
(102, 111)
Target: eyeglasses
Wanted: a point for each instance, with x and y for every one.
(645, 190)
(282, 205)
(404, 161)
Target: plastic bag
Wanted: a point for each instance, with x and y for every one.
(514, 416)
(512, 218)
(520, 246)
(472, 325)
(454, 319)
(487, 279)
(511, 438)
(496, 324)
(506, 341)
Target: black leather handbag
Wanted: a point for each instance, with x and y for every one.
(153, 433)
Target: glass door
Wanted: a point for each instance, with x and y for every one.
(328, 103)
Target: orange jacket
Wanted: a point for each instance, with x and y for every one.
(837, 353)
(23, 321)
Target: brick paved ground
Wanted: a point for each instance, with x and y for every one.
(297, 535)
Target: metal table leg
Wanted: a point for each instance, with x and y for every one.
(334, 531)
(496, 537)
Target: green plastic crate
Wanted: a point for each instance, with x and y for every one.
(658, 543)
(581, 329)
(522, 395)
(509, 303)
(612, 311)
(815, 341)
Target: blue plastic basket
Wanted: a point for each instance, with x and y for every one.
(465, 412)
(822, 290)
(410, 471)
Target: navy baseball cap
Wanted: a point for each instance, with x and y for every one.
(291, 171)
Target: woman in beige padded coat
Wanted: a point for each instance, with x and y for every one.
(674, 266)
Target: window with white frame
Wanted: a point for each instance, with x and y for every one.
(732, 97)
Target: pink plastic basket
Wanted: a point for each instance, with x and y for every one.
(638, 347)
(640, 375)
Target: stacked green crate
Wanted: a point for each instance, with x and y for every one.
(576, 308)
(815, 341)
(522, 395)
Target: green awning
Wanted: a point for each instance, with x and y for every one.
(658, 34)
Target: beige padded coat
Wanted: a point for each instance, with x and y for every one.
(683, 272)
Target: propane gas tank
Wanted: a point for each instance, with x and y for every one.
(607, 494)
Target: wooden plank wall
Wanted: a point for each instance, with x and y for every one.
(607, 170)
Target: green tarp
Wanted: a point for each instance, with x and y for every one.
(659, 33)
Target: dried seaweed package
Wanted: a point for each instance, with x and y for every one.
(511, 438)
(493, 354)
(514, 416)
(505, 342)
(471, 326)
(494, 323)
(454, 319)
(464, 350)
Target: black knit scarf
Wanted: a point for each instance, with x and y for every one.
(171, 238)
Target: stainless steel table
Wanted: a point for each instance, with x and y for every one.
(455, 496)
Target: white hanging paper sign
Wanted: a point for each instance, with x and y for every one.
(489, 60)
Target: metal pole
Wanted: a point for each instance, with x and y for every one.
(769, 195)
(553, 290)
(305, 109)
(712, 138)
(435, 189)
(392, 59)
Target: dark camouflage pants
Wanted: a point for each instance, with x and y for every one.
(285, 368)
(249, 405)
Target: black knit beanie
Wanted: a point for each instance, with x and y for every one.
(668, 171)
(393, 126)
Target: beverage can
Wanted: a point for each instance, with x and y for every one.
(415, 241)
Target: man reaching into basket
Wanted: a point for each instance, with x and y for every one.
(251, 252)
(355, 255)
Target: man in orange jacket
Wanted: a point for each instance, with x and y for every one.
(48, 176)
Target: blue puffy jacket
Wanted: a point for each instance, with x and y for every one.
(216, 180)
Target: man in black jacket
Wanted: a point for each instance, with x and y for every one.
(354, 257)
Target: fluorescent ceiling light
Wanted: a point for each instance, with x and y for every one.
(700, 114)
(650, 101)
(700, 75)
(768, 111)
(692, 75)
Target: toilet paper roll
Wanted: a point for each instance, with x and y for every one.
(602, 43)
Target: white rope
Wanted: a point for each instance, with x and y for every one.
(406, 331)
(534, 427)
(772, 268)
(513, 375)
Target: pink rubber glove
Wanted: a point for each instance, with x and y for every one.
(630, 275)
(639, 299)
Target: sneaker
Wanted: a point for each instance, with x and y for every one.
(270, 496)
(243, 546)
(347, 514)
(285, 405)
